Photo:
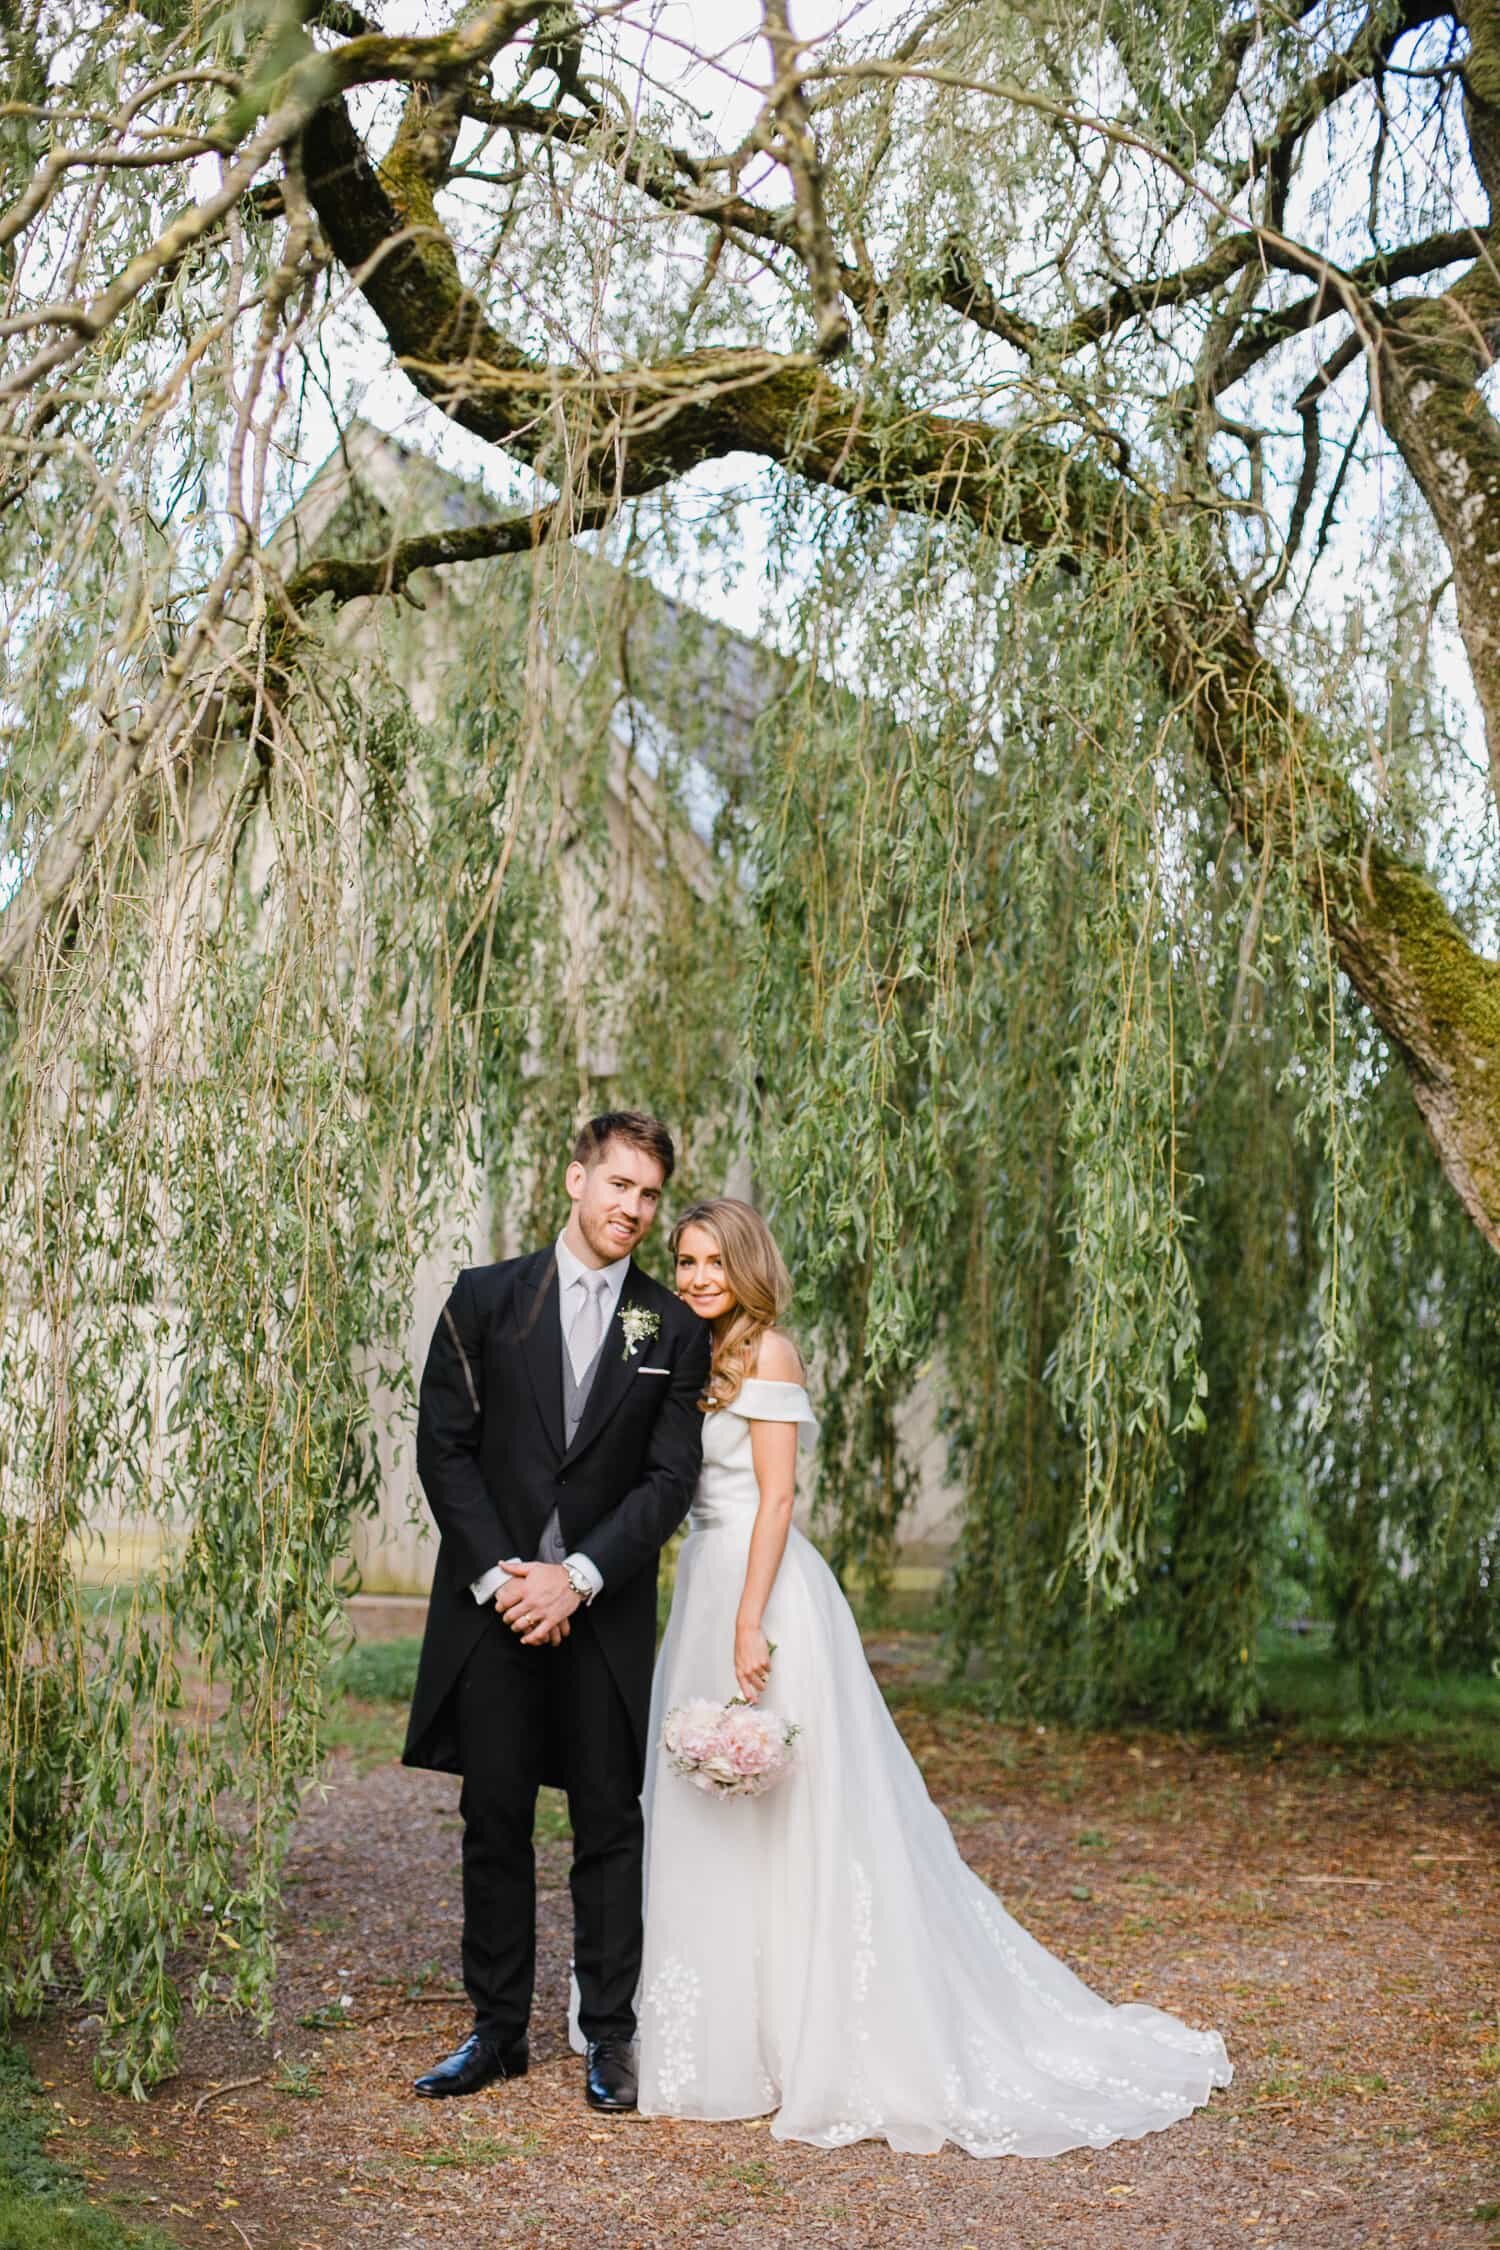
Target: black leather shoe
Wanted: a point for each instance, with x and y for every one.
(609, 2074)
(478, 2062)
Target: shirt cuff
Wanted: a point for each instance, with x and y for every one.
(585, 1569)
(486, 1588)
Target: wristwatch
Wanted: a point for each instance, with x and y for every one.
(580, 1584)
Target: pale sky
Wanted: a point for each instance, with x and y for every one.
(725, 92)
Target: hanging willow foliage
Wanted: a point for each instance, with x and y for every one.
(1007, 854)
(226, 1129)
(402, 955)
(1114, 1142)
(995, 914)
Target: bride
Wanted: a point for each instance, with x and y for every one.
(823, 1951)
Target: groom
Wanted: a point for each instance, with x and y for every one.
(558, 1442)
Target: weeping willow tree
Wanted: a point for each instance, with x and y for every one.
(1131, 1154)
(1090, 940)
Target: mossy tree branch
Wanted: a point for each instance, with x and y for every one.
(349, 579)
(631, 431)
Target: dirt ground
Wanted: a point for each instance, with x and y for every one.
(1341, 1929)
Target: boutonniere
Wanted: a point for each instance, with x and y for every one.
(639, 1324)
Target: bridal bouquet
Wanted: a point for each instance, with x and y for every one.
(731, 1749)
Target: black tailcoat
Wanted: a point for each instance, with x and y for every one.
(493, 1464)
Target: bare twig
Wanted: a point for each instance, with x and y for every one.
(1307, 407)
(230, 2086)
(1381, 271)
(303, 91)
(797, 148)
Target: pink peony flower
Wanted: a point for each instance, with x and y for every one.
(729, 1749)
(750, 1753)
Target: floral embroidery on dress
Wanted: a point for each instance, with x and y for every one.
(672, 2004)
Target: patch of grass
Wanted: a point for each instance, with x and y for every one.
(1294, 2083)
(495, 2148)
(904, 1609)
(1159, 1802)
(552, 1822)
(378, 1671)
(369, 1688)
(1447, 1724)
(1476, 2122)
(300, 2080)
(1451, 1719)
(331, 2016)
(1063, 1787)
(42, 2204)
(423, 1977)
(371, 1734)
(756, 2175)
(475, 2148)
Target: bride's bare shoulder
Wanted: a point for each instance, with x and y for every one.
(778, 1360)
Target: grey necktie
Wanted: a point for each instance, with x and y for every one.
(587, 1332)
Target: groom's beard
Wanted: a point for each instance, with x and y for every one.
(601, 1240)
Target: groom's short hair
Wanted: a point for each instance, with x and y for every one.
(633, 1126)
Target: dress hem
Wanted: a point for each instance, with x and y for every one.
(982, 2151)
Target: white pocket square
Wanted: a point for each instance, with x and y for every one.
(653, 1371)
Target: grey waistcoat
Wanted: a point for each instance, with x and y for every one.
(575, 1397)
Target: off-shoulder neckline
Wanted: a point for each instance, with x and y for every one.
(761, 1398)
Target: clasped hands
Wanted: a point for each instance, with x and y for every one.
(536, 1601)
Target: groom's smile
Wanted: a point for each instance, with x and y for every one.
(615, 1200)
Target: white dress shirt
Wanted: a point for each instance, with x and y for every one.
(573, 1277)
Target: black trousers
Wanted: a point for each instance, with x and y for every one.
(523, 1713)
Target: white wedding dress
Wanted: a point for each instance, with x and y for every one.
(823, 1951)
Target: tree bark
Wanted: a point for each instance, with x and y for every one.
(1430, 359)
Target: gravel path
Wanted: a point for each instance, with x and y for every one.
(1340, 1929)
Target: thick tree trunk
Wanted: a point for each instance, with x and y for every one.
(1434, 997)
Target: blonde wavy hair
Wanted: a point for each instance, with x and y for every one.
(756, 1275)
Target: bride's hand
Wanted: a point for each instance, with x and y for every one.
(752, 1661)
